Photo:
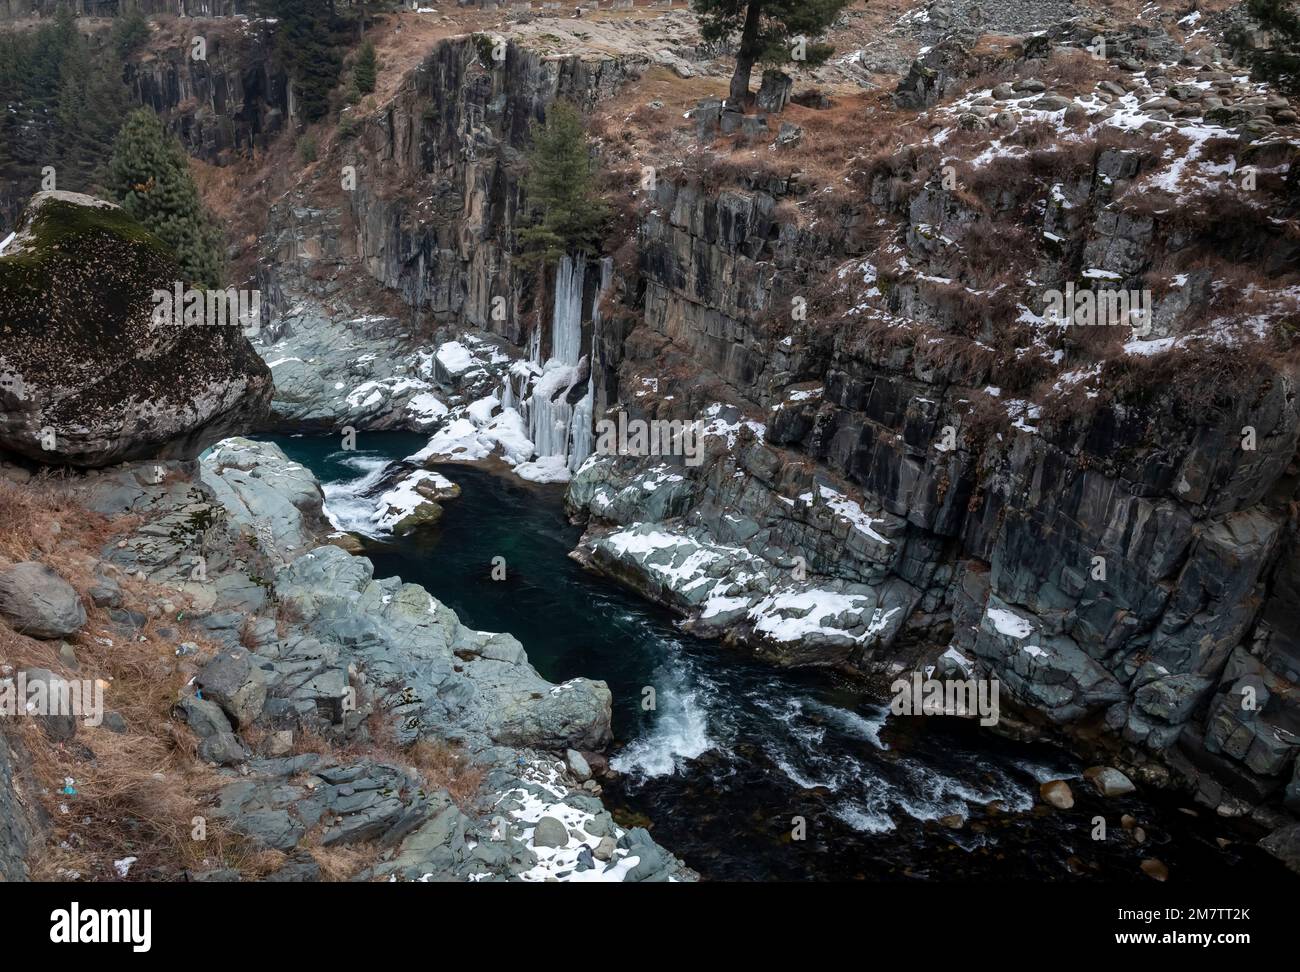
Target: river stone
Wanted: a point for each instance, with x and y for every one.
(89, 379)
(39, 603)
(1058, 794)
(1155, 869)
(605, 849)
(577, 765)
(267, 496)
(550, 833)
(1109, 781)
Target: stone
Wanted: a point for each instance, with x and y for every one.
(774, 91)
(59, 726)
(106, 591)
(1052, 103)
(577, 765)
(1154, 869)
(1284, 844)
(1057, 793)
(605, 848)
(217, 742)
(93, 381)
(279, 743)
(231, 681)
(549, 832)
(1108, 781)
(37, 602)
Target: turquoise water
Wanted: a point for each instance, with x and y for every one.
(735, 753)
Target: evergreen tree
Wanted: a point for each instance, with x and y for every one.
(1279, 62)
(769, 31)
(561, 186)
(92, 105)
(62, 102)
(130, 32)
(363, 75)
(149, 175)
(307, 43)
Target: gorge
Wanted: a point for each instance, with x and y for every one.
(415, 619)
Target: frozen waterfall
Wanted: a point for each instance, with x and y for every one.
(558, 429)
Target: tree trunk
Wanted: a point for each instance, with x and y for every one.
(745, 56)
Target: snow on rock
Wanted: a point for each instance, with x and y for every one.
(542, 795)
(724, 588)
(1009, 623)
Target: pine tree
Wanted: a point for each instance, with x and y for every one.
(305, 39)
(770, 31)
(1279, 62)
(63, 102)
(561, 186)
(366, 68)
(130, 32)
(149, 175)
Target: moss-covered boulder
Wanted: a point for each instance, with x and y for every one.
(89, 375)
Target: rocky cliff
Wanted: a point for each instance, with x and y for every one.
(229, 104)
(909, 471)
(910, 462)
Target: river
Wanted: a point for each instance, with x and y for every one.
(734, 754)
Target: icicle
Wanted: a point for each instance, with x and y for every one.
(556, 427)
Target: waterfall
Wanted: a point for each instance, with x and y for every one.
(583, 438)
(566, 329)
(557, 428)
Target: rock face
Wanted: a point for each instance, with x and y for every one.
(1124, 571)
(232, 102)
(36, 601)
(19, 825)
(447, 144)
(86, 378)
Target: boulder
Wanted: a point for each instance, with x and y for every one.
(1284, 844)
(231, 681)
(217, 741)
(774, 91)
(87, 376)
(38, 602)
(550, 833)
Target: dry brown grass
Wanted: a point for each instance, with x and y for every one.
(139, 791)
(439, 765)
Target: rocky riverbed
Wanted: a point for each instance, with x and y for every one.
(300, 641)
